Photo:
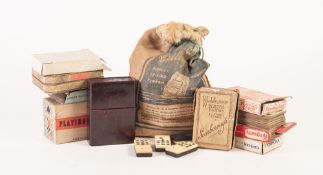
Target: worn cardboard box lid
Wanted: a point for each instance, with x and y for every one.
(67, 62)
(257, 96)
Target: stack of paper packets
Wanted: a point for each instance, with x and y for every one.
(261, 121)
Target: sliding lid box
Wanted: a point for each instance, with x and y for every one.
(67, 62)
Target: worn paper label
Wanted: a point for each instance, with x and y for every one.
(252, 133)
(214, 118)
(76, 96)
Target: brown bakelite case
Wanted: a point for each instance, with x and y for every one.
(112, 110)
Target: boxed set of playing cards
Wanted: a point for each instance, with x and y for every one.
(261, 121)
(65, 122)
(63, 76)
(259, 103)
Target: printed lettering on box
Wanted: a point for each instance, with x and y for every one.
(252, 133)
(258, 135)
(72, 122)
(249, 106)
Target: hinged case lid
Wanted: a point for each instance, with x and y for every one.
(112, 93)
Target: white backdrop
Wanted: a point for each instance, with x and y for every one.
(274, 46)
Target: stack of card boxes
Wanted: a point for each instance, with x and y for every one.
(63, 76)
(261, 121)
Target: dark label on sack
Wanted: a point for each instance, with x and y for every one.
(167, 86)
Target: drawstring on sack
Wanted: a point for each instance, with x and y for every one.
(202, 53)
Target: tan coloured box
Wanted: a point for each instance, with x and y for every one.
(65, 122)
(68, 77)
(215, 118)
(54, 84)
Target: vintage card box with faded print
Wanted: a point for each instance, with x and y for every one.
(215, 118)
(65, 122)
(259, 103)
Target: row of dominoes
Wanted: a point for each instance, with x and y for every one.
(144, 148)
